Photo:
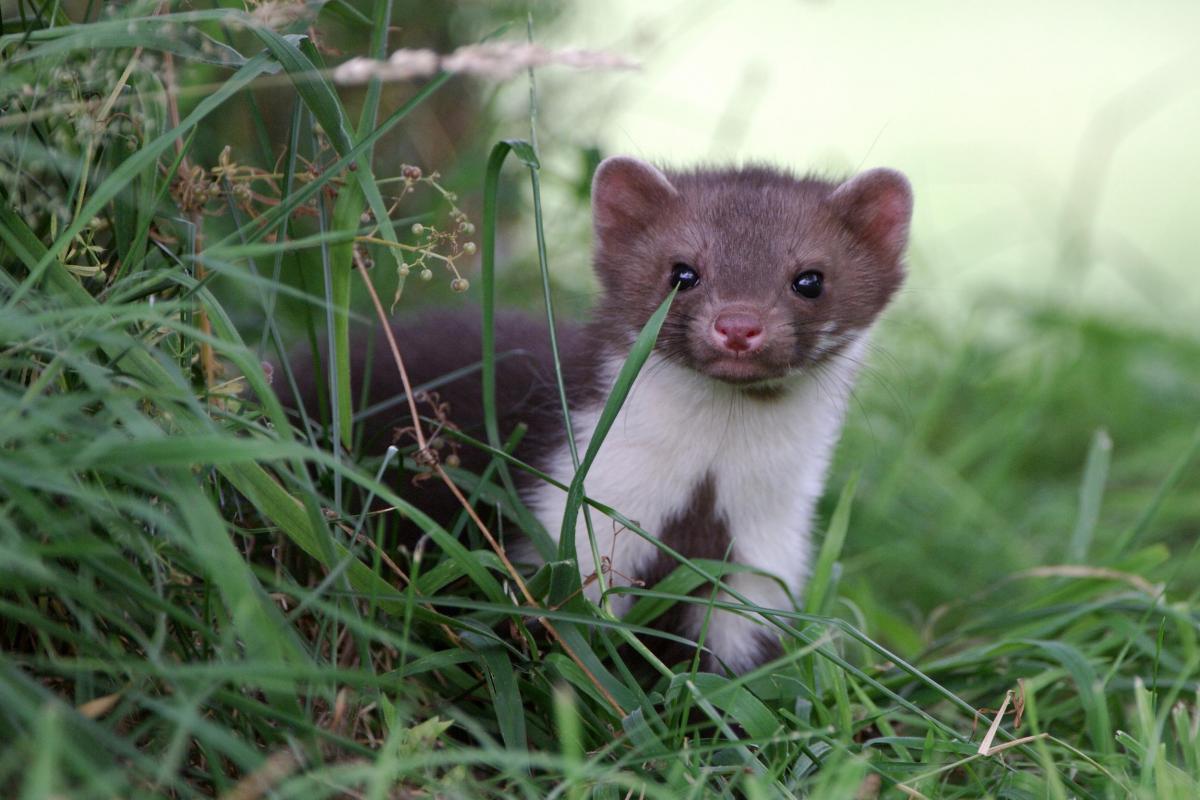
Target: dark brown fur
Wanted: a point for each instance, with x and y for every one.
(698, 532)
(434, 345)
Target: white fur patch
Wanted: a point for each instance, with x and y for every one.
(767, 459)
(827, 341)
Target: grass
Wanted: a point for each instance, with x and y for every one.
(192, 603)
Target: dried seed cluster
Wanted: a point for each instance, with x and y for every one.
(196, 189)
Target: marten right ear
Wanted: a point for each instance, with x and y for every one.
(878, 206)
(626, 194)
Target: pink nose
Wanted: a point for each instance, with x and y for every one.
(738, 331)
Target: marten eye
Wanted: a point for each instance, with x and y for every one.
(808, 284)
(684, 276)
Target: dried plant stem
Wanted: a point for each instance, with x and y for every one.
(362, 538)
(400, 246)
(423, 446)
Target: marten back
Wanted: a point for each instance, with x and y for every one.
(435, 345)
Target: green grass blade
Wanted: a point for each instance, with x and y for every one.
(1134, 534)
(1091, 493)
(506, 697)
(820, 599)
(632, 365)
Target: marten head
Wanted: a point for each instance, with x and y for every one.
(776, 274)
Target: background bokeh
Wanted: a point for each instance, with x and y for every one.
(1031, 131)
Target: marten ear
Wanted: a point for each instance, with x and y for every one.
(877, 205)
(626, 194)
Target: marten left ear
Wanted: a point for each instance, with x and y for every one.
(877, 205)
(627, 193)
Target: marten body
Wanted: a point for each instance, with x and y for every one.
(722, 446)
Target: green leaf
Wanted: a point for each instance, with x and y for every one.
(1091, 492)
(679, 583)
(739, 703)
(506, 697)
(820, 598)
(1088, 689)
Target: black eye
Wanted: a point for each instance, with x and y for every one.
(808, 284)
(684, 276)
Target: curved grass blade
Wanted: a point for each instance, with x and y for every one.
(638, 354)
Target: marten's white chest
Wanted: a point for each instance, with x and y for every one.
(756, 466)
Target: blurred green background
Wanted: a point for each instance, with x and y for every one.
(1029, 129)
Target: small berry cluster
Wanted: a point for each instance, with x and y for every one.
(435, 245)
(433, 238)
